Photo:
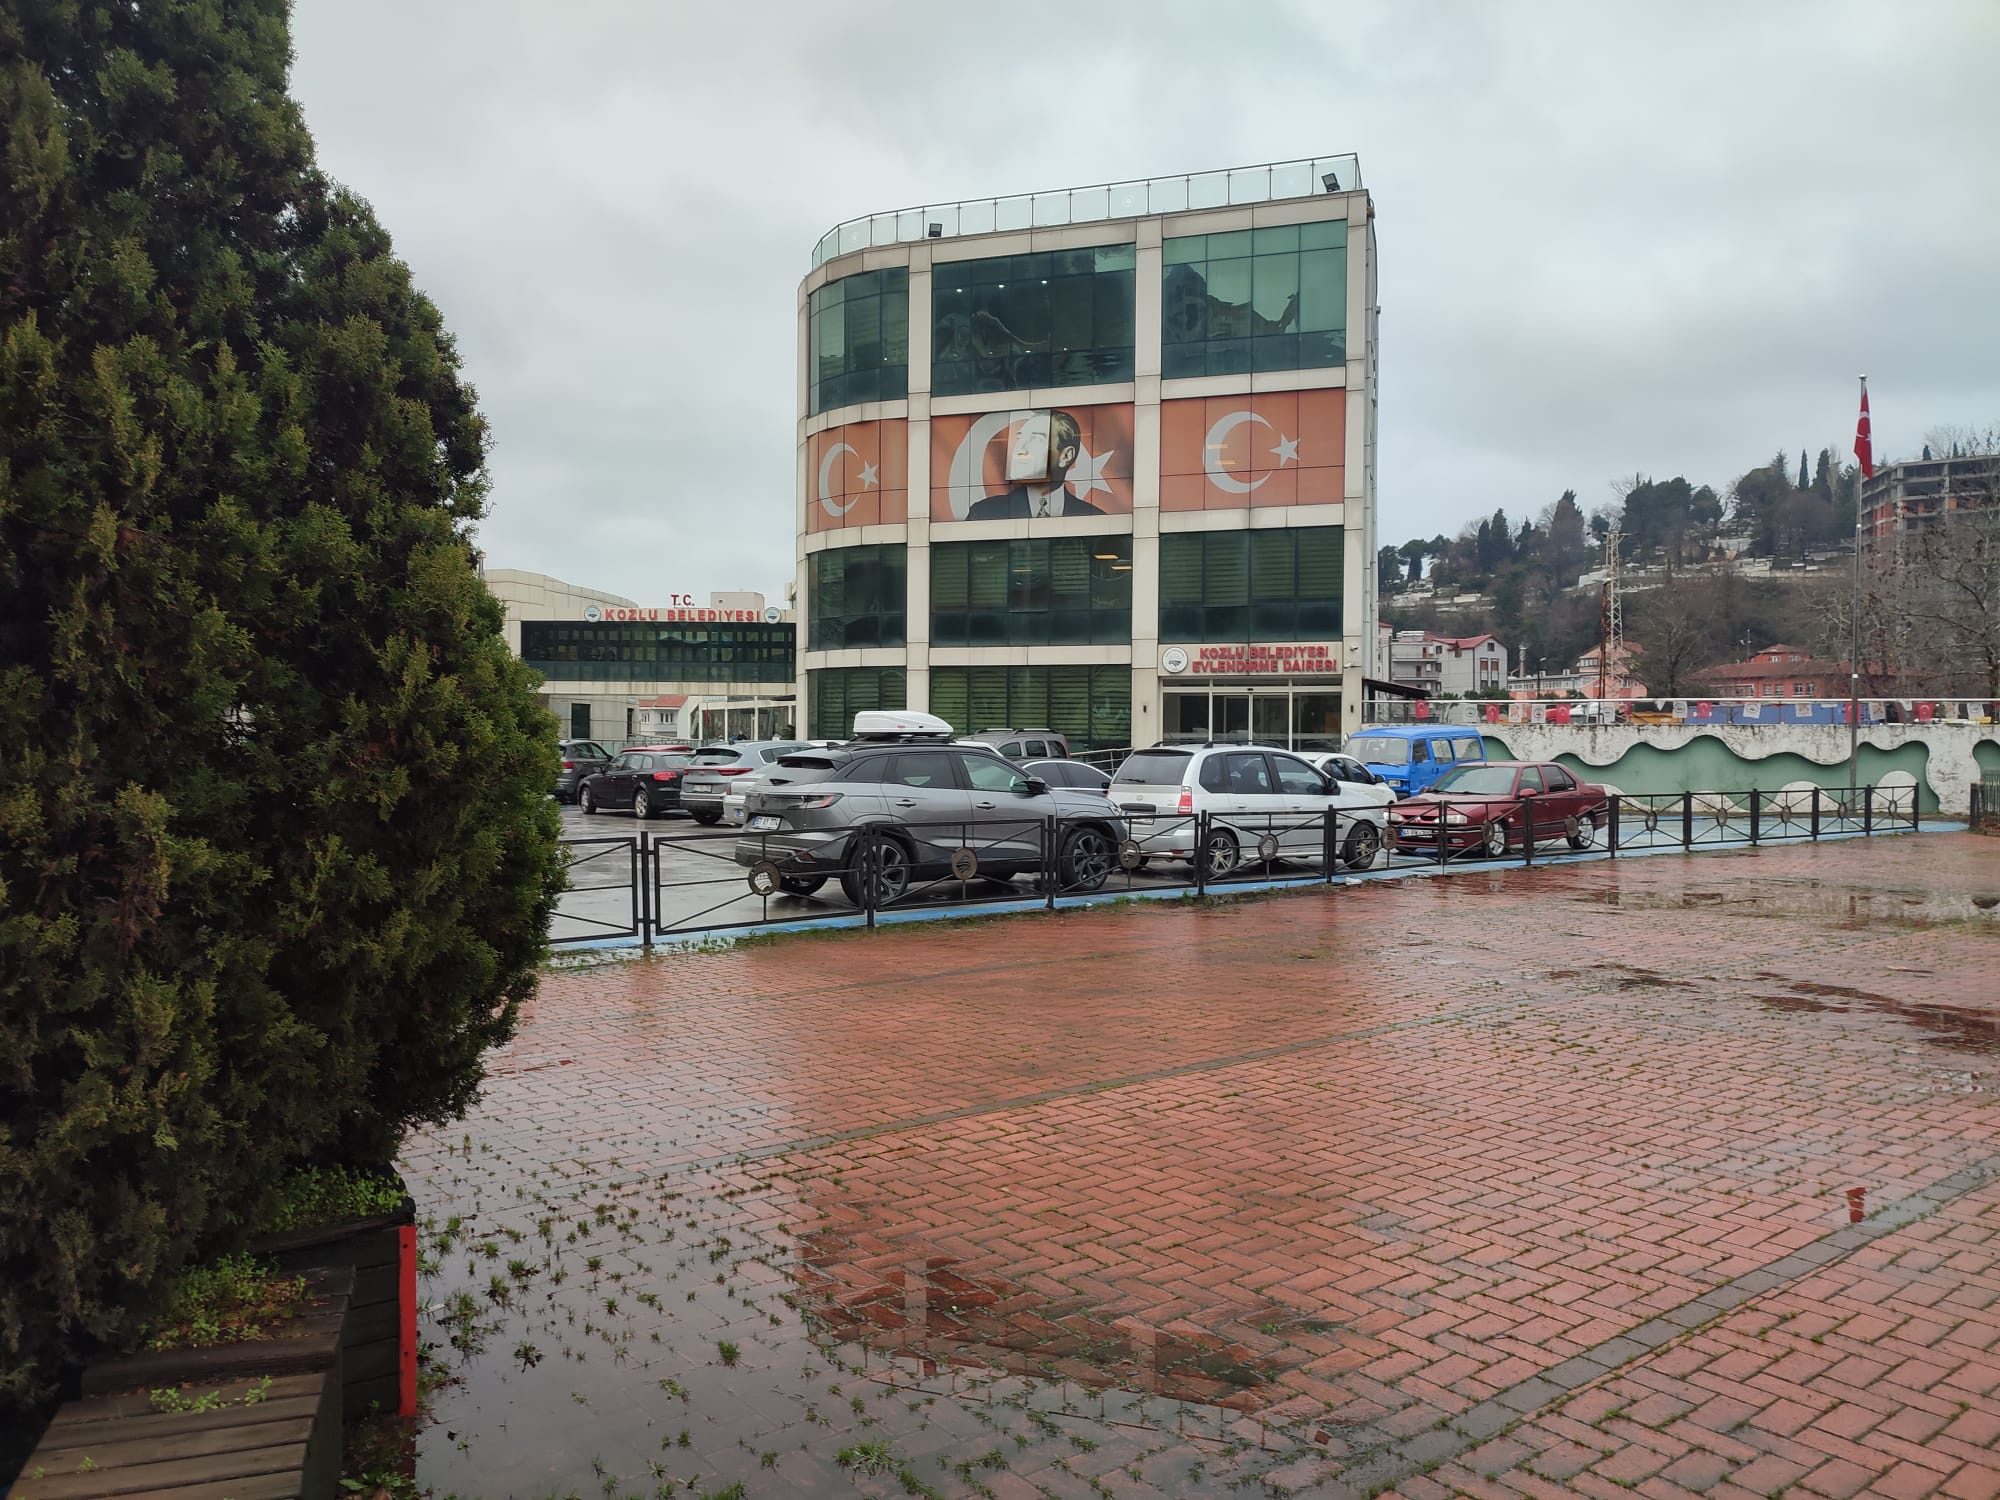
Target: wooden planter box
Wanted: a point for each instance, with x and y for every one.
(380, 1355)
(282, 1445)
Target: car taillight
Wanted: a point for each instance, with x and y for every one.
(1187, 800)
(732, 770)
(666, 776)
(816, 803)
(569, 765)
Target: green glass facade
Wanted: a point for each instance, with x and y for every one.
(1053, 318)
(856, 596)
(1263, 585)
(1061, 591)
(834, 696)
(1090, 705)
(860, 340)
(604, 651)
(1254, 299)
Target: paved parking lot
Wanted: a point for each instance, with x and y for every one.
(1679, 1175)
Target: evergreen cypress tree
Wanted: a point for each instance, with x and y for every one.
(276, 858)
(1804, 482)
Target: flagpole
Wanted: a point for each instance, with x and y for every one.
(1854, 619)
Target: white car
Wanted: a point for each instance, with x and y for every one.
(1338, 767)
(1259, 799)
(756, 779)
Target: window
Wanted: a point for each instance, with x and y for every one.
(604, 651)
(1255, 299)
(1467, 747)
(1066, 591)
(924, 768)
(860, 340)
(1420, 753)
(1296, 778)
(855, 596)
(1802, 690)
(1089, 706)
(834, 696)
(1531, 780)
(579, 720)
(1559, 780)
(1248, 776)
(1053, 318)
(1264, 585)
(988, 774)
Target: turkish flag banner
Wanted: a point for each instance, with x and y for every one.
(858, 475)
(1249, 452)
(1864, 447)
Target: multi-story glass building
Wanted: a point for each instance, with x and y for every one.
(1100, 459)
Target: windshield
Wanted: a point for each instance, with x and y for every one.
(1379, 750)
(1153, 768)
(1477, 780)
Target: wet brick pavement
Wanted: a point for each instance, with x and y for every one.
(1668, 1176)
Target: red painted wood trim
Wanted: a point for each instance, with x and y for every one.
(406, 1236)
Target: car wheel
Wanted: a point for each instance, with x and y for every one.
(1363, 847)
(1582, 833)
(642, 805)
(890, 875)
(586, 801)
(1496, 840)
(1220, 853)
(800, 885)
(706, 819)
(1087, 858)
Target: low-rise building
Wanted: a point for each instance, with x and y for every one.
(1447, 665)
(615, 670)
(1779, 671)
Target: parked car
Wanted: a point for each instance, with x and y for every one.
(714, 767)
(1072, 773)
(1024, 744)
(1409, 757)
(1338, 766)
(581, 760)
(1486, 808)
(736, 792)
(904, 780)
(1247, 791)
(646, 779)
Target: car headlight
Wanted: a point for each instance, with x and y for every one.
(1456, 818)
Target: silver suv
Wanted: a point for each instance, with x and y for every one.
(706, 783)
(926, 800)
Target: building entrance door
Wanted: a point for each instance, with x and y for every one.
(1303, 718)
(1229, 716)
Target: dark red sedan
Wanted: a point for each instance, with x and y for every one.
(1487, 808)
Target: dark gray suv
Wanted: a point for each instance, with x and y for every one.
(923, 800)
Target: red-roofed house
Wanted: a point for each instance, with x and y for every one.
(1779, 671)
(1447, 665)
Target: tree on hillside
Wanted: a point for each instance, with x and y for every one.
(276, 856)
(1672, 630)
(1388, 569)
(1413, 552)
(1805, 483)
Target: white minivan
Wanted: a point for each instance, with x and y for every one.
(1260, 800)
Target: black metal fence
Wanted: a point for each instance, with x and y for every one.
(652, 885)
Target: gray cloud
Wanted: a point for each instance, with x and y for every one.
(1613, 237)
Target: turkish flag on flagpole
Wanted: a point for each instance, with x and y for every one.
(1864, 448)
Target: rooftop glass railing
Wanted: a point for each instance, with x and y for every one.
(1227, 188)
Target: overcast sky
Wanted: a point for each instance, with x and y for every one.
(1614, 238)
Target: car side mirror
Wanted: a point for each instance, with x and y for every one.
(1036, 786)
(1528, 791)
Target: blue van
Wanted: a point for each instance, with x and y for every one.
(1409, 757)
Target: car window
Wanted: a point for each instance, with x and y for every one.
(1468, 747)
(717, 755)
(1419, 753)
(1088, 777)
(1442, 750)
(1381, 749)
(1011, 749)
(1531, 780)
(1559, 780)
(642, 762)
(1215, 774)
(1153, 768)
(1297, 779)
(1477, 781)
(989, 775)
(1036, 749)
(1249, 776)
(930, 769)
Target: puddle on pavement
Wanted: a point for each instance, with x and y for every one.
(935, 1316)
(592, 1330)
(1949, 1026)
(1843, 905)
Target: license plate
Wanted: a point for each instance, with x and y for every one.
(765, 823)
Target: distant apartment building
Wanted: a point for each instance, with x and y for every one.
(1909, 496)
(1447, 665)
(1779, 671)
